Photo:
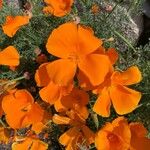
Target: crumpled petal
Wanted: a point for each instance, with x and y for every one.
(124, 100)
(9, 56)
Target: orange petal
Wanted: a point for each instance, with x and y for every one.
(95, 67)
(80, 41)
(75, 98)
(50, 93)
(12, 24)
(121, 128)
(89, 134)
(139, 141)
(113, 55)
(138, 129)
(41, 76)
(87, 42)
(61, 120)
(15, 106)
(9, 56)
(62, 71)
(101, 140)
(35, 114)
(103, 103)
(67, 137)
(38, 127)
(84, 81)
(100, 50)
(124, 100)
(131, 76)
(62, 43)
(58, 8)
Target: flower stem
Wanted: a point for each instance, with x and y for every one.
(125, 40)
(13, 80)
(2, 123)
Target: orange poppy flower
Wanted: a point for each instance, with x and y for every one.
(31, 143)
(51, 92)
(77, 136)
(58, 8)
(20, 109)
(114, 90)
(13, 24)
(75, 49)
(139, 141)
(114, 136)
(9, 56)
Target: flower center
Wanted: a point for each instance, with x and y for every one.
(74, 57)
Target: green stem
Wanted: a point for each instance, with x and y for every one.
(13, 80)
(125, 40)
(94, 117)
(2, 123)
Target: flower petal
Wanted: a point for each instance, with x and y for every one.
(41, 76)
(122, 130)
(9, 56)
(124, 100)
(103, 103)
(62, 43)
(79, 41)
(57, 119)
(113, 55)
(12, 24)
(87, 42)
(58, 8)
(95, 67)
(61, 71)
(131, 76)
(50, 93)
(66, 137)
(89, 134)
(139, 141)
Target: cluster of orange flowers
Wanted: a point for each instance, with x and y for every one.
(83, 65)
